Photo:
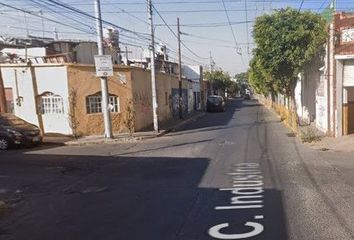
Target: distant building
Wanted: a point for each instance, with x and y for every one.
(194, 75)
(52, 51)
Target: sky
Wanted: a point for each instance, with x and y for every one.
(220, 30)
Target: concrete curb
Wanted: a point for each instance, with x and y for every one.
(103, 141)
(181, 124)
(132, 139)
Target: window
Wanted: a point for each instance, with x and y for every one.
(51, 104)
(114, 102)
(94, 103)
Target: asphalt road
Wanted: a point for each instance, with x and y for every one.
(230, 175)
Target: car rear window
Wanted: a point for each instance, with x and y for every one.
(214, 99)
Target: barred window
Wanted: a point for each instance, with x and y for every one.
(51, 104)
(94, 103)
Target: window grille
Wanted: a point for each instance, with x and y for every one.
(94, 103)
(51, 104)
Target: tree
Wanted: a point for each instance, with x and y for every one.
(259, 79)
(241, 78)
(242, 81)
(219, 80)
(234, 88)
(287, 40)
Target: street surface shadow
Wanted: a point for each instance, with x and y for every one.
(103, 197)
(167, 147)
(24, 149)
(219, 120)
(215, 119)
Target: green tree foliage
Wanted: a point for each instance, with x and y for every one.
(219, 80)
(242, 82)
(234, 88)
(242, 78)
(286, 41)
(259, 79)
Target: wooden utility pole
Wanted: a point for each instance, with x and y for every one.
(179, 71)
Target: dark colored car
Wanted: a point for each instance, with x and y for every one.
(215, 103)
(17, 132)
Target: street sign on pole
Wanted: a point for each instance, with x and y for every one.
(104, 66)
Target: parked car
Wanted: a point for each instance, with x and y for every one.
(17, 132)
(215, 103)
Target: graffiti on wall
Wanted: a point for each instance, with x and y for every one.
(175, 102)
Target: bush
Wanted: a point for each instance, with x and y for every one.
(309, 135)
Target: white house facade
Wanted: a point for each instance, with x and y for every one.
(40, 95)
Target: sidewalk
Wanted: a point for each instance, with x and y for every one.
(339, 144)
(165, 128)
(318, 176)
(343, 144)
(331, 167)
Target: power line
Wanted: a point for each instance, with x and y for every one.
(302, 2)
(67, 6)
(208, 25)
(176, 35)
(132, 15)
(67, 25)
(323, 3)
(233, 33)
(46, 18)
(187, 2)
(228, 20)
(205, 38)
(68, 17)
(247, 37)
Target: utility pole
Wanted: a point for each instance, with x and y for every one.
(211, 62)
(334, 5)
(179, 70)
(104, 85)
(41, 13)
(56, 37)
(211, 70)
(119, 62)
(27, 30)
(152, 61)
(126, 55)
(3, 107)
